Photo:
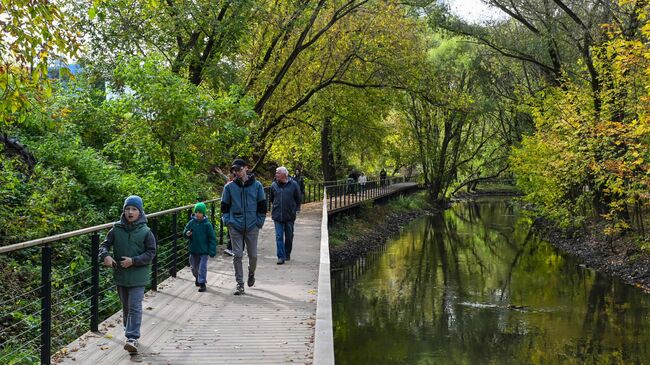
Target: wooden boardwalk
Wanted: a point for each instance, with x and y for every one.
(272, 324)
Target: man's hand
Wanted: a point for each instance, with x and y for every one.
(189, 233)
(126, 262)
(109, 262)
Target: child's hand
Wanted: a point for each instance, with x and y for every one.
(126, 262)
(109, 262)
(189, 234)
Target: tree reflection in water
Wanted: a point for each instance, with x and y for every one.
(474, 285)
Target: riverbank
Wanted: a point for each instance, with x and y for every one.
(365, 236)
(622, 257)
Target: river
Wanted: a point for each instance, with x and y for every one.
(475, 285)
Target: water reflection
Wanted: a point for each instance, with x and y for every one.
(475, 286)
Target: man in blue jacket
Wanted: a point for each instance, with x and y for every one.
(243, 208)
(286, 198)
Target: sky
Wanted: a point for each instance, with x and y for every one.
(474, 10)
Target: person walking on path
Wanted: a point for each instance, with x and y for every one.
(243, 207)
(363, 179)
(382, 177)
(134, 245)
(286, 197)
(202, 242)
(298, 178)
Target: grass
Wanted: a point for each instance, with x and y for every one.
(369, 216)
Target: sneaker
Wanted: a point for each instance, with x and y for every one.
(280, 261)
(131, 346)
(229, 252)
(239, 290)
(202, 288)
(251, 279)
(288, 258)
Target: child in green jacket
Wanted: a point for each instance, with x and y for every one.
(202, 242)
(134, 246)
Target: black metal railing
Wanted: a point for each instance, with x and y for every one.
(58, 291)
(73, 294)
(347, 193)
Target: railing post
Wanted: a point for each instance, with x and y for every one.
(214, 219)
(329, 196)
(174, 268)
(221, 230)
(154, 271)
(46, 303)
(94, 291)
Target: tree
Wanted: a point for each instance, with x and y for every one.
(35, 32)
(595, 155)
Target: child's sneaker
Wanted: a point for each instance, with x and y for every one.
(202, 287)
(229, 252)
(251, 279)
(131, 346)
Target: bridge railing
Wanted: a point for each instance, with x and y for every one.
(73, 294)
(346, 193)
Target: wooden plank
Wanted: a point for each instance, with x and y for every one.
(272, 324)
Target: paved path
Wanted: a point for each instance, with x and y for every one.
(272, 324)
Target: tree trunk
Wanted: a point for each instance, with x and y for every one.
(327, 153)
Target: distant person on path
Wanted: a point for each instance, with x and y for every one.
(243, 206)
(352, 179)
(286, 198)
(382, 177)
(202, 242)
(363, 179)
(134, 245)
(298, 178)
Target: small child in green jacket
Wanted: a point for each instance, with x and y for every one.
(202, 242)
(133, 245)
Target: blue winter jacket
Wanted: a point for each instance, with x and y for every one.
(243, 205)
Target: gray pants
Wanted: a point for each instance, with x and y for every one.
(131, 299)
(238, 239)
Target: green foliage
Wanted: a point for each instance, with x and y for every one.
(592, 149)
(33, 34)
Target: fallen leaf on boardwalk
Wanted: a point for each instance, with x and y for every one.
(65, 350)
(104, 348)
(149, 308)
(313, 291)
(108, 335)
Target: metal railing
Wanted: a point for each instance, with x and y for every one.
(349, 193)
(75, 296)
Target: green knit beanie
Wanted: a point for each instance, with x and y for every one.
(200, 207)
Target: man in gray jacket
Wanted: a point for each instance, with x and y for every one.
(286, 198)
(243, 208)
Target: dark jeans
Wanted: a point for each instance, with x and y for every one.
(283, 238)
(199, 266)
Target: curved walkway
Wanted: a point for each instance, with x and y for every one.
(272, 324)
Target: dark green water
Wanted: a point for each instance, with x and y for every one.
(475, 286)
